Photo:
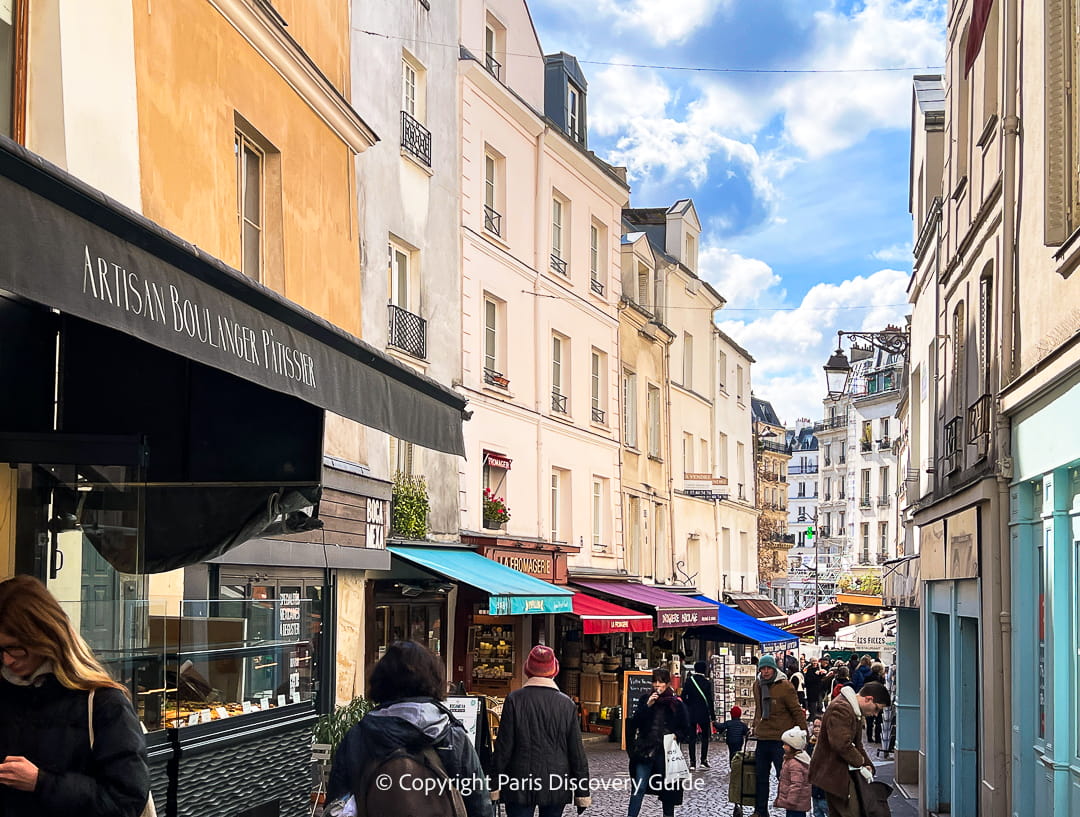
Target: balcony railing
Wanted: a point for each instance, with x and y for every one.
(884, 501)
(866, 445)
(408, 332)
(558, 264)
(596, 286)
(828, 498)
(494, 378)
(865, 502)
(598, 415)
(831, 423)
(415, 138)
(777, 448)
(979, 418)
(882, 558)
(884, 443)
(803, 469)
(493, 66)
(492, 220)
(824, 533)
(558, 402)
(950, 450)
(828, 461)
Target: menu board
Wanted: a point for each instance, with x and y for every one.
(466, 708)
(635, 684)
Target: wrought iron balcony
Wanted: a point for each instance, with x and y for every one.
(415, 138)
(558, 402)
(407, 332)
(494, 378)
(952, 454)
(776, 448)
(596, 286)
(493, 66)
(979, 418)
(884, 501)
(864, 502)
(803, 469)
(558, 264)
(828, 461)
(884, 443)
(866, 445)
(598, 415)
(492, 220)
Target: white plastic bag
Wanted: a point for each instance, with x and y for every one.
(675, 767)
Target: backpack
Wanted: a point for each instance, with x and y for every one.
(419, 786)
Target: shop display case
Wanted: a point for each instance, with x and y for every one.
(494, 654)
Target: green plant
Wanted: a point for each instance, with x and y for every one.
(409, 507)
(330, 728)
(495, 509)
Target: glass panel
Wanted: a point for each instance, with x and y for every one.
(490, 314)
(251, 250)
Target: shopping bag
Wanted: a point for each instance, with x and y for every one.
(675, 767)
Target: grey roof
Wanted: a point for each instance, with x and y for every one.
(803, 439)
(763, 412)
(930, 93)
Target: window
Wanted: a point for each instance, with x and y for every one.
(494, 47)
(739, 383)
(597, 236)
(828, 453)
(688, 361)
(629, 390)
(883, 541)
(250, 167)
(643, 280)
(883, 483)
(559, 495)
(885, 430)
(415, 138)
(634, 546)
(721, 370)
(598, 371)
(961, 120)
(399, 275)
(494, 187)
(402, 458)
(406, 331)
(986, 327)
(688, 453)
(958, 338)
(722, 454)
(408, 88)
(654, 420)
(866, 436)
(13, 35)
(827, 487)
(690, 257)
(575, 113)
(703, 448)
(1061, 198)
(598, 494)
(494, 342)
(559, 352)
(740, 467)
(662, 547)
(864, 539)
(864, 494)
(560, 216)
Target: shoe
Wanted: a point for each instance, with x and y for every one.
(705, 764)
(693, 768)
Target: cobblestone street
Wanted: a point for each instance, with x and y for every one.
(707, 798)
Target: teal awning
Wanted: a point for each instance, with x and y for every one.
(511, 592)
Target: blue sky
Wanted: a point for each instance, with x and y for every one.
(800, 179)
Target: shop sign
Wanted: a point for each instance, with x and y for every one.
(466, 708)
(533, 563)
(688, 618)
(289, 614)
(376, 523)
(497, 460)
(526, 605)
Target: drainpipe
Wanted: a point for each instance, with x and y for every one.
(671, 450)
(1002, 591)
(619, 307)
(540, 344)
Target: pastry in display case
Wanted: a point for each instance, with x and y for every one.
(493, 654)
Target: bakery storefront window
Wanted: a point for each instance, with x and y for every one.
(408, 621)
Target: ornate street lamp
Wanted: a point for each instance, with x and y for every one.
(837, 373)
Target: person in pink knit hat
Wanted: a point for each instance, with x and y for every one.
(539, 762)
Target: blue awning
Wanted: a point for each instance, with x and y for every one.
(511, 592)
(736, 627)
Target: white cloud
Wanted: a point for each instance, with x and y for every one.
(740, 280)
(895, 253)
(791, 346)
(666, 23)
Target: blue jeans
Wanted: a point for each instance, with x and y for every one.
(769, 754)
(641, 785)
(520, 810)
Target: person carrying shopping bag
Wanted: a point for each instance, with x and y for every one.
(658, 715)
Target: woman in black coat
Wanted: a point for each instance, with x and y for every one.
(658, 714)
(697, 693)
(47, 765)
(540, 759)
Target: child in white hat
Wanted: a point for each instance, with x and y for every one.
(794, 791)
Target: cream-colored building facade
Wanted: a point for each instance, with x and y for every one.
(540, 265)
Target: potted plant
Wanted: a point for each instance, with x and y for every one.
(410, 506)
(496, 513)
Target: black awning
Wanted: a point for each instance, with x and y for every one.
(68, 246)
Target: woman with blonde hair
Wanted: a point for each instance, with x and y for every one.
(48, 682)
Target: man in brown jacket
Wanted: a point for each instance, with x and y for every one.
(840, 753)
(776, 709)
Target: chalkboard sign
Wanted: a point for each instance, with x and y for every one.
(635, 684)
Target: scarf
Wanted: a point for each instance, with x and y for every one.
(36, 678)
(652, 739)
(766, 692)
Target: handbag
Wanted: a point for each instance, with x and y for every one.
(675, 766)
(148, 810)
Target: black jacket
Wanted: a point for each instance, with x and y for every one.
(645, 739)
(412, 723)
(540, 740)
(697, 694)
(48, 724)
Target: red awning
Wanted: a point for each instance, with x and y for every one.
(599, 616)
(672, 609)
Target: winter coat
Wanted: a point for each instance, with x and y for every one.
(734, 733)
(794, 791)
(413, 724)
(48, 724)
(860, 676)
(697, 693)
(784, 712)
(839, 745)
(645, 740)
(540, 739)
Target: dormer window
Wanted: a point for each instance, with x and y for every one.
(573, 113)
(690, 256)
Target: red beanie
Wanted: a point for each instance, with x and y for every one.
(736, 712)
(541, 662)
